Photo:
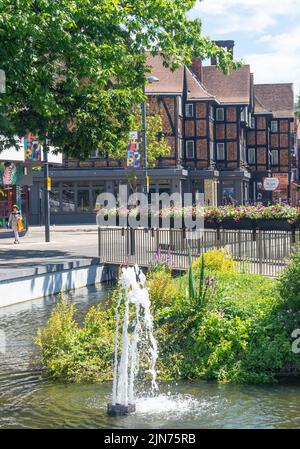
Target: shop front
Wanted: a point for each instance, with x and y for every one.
(16, 167)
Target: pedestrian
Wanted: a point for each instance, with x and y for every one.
(15, 222)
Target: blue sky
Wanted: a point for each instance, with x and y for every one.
(266, 34)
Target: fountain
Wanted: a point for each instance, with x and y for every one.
(137, 327)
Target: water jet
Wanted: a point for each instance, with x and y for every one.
(134, 307)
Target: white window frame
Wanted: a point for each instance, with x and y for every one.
(180, 105)
(274, 122)
(273, 152)
(220, 145)
(180, 149)
(218, 111)
(187, 149)
(95, 155)
(211, 112)
(189, 110)
(251, 150)
(212, 151)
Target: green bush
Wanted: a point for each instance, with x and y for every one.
(241, 332)
(217, 259)
(290, 283)
(78, 353)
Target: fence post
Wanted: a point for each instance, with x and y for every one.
(98, 241)
(260, 252)
(157, 240)
(218, 237)
(132, 241)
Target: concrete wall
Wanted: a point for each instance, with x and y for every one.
(20, 289)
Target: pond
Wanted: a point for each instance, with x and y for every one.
(30, 400)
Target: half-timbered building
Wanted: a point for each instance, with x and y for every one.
(226, 135)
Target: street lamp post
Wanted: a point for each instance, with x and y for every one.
(46, 192)
(150, 79)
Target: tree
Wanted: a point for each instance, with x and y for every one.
(75, 69)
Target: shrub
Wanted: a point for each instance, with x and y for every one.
(290, 283)
(217, 260)
(161, 288)
(240, 330)
(76, 353)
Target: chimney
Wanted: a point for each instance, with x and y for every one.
(223, 44)
(197, 69)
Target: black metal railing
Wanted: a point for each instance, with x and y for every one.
(257, 251)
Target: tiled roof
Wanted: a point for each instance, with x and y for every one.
(195, 90)
(169, 81)
(275, 98)
(228, 89)
(259, 107)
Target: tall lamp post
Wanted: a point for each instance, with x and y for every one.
(151, 79)
(46, 192)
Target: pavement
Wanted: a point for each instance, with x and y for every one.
(69, 245)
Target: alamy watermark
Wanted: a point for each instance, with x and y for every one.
(296, 342)
(163, 210)
(2, 82)
(2, 342)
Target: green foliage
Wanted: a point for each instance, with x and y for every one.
(157, 145)
(240, 331)
(290, 283)
(217, 260)
(74, 69)
(76, 353)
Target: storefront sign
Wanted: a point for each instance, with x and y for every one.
(133, 154)
(271, 184)
(283, 180)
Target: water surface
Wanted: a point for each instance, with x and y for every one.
(29, 400)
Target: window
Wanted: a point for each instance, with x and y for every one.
(189, 110)
(83, 200)
(211, 148)
(54, 200)
(220, 151)
(274, 157)
(180, 149)
(68, 197)
(94, 154)
(251, 156)
(244, 114)
(190, 149)
(211, 112)
(274, 126)
(179, 105)
(252, 122)
(220, 114)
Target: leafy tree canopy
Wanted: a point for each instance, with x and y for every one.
(75, 68)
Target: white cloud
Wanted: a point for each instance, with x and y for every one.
(280, 62)
(247, 15)
(267, 29)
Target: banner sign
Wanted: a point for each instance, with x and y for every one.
(133, 153)
(10, 173)
(33, 149)
(271, 184)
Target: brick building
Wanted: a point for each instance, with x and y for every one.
(226, 135)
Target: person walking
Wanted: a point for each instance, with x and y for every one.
(15, 222)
